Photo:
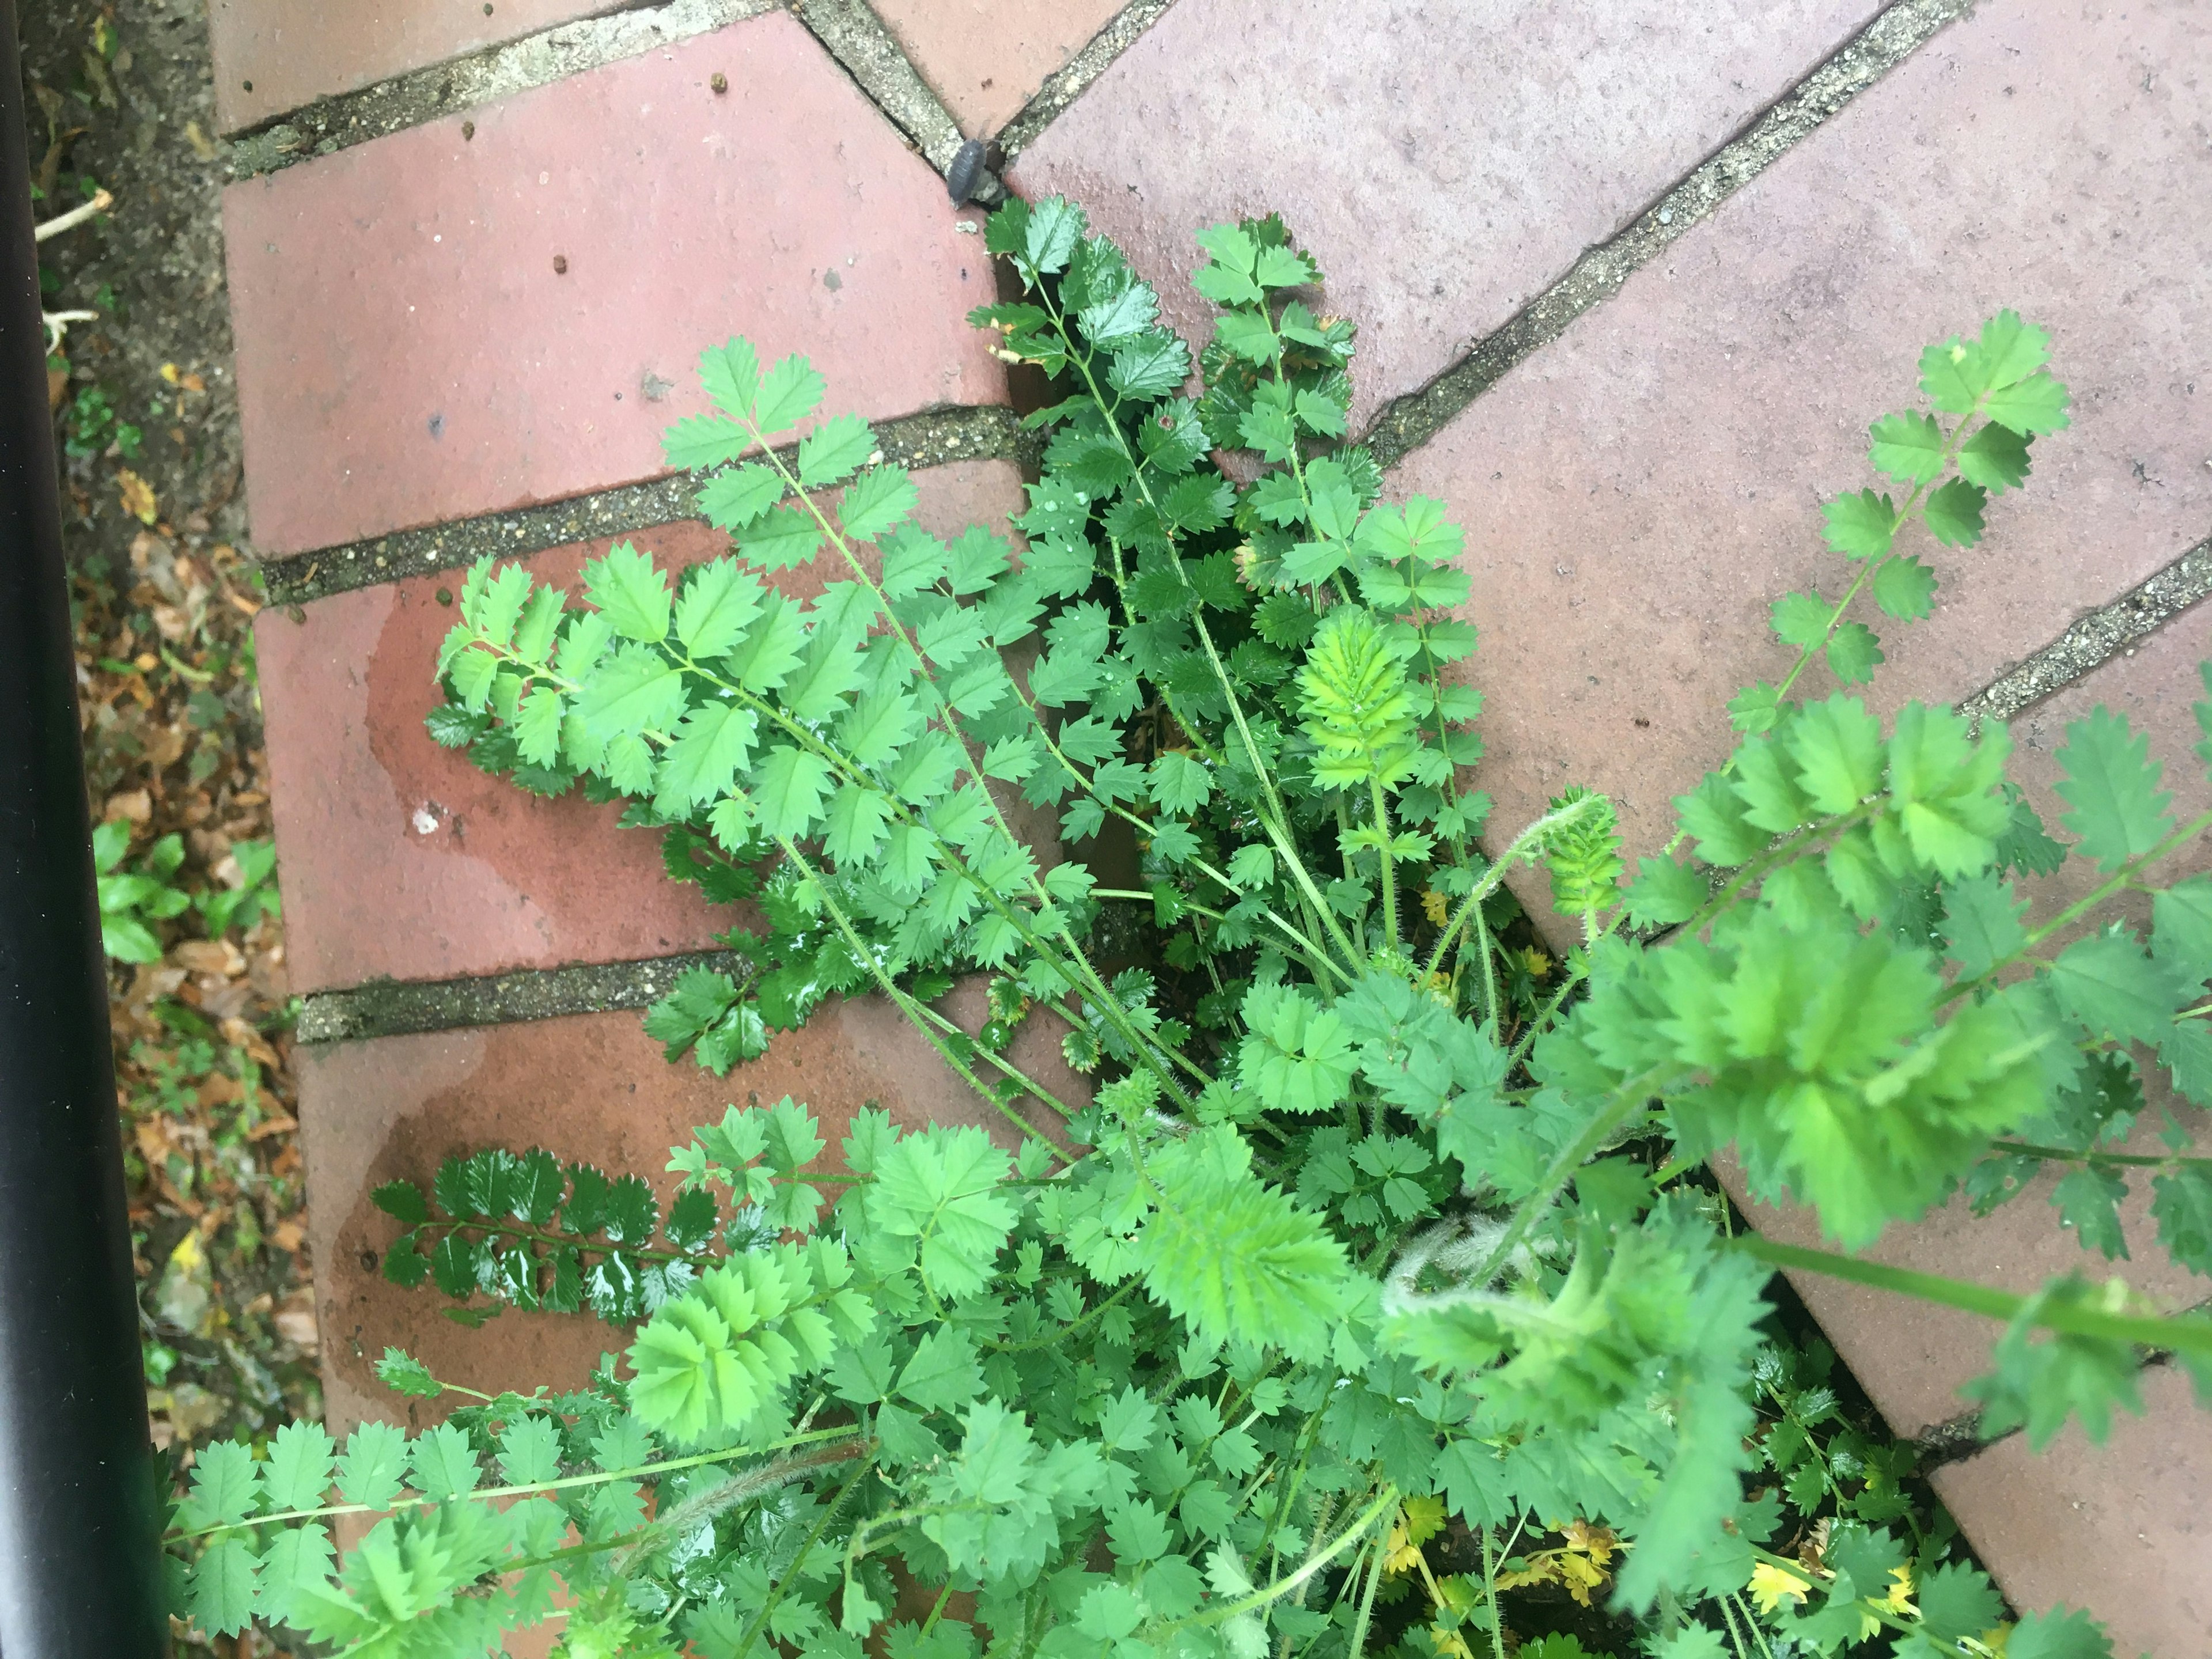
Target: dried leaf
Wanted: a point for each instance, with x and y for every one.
(137, 494)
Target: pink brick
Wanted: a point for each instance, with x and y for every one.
(501, 880)
(592, 1088)
(1637, 494)
(273, 56)
(2121, 1529)
(408, 351)
(986, 59)
(1444, 165)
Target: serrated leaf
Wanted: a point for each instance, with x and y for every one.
(2112, 784)
(1981, 923)
(302, 1458)
(373, 1466)
(942, 1374)
(1665, 893)
(2088, 1200)
(718, 601)
(2058, 1634)
(2181, 1204)
(1953, 512)
(704, 758)
(1905, 588)
(733, 499)
(1907, 447)
(731, 374)
(629, 592)
(1837, 748)
(941, 1187)
(224, 1482)
(834, 450)
(1800, 619)
(403, 1201)
(1861, 526)
(788, 394)
(782, 540)
(1994, 458)
(2108, 984)
(697, 441)
(634, 691)
(222, 1587)
(874, 502)
(444, 1465)
(1853, 653)
(2033, 405)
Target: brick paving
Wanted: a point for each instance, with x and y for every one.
(272, 56)
(506, 306)
(987, 59)
(1638, 470)
(1443, 169)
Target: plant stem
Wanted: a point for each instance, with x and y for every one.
(728, 1454)
(1623, 1104)
(2117, 1160)
(1275, 1591)
(1524, 846)
(2182, 1333)
(1490, 1590)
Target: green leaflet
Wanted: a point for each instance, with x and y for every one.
(939, 1188)
(1298, 1057)
(1233, 1255)
(709, 1361)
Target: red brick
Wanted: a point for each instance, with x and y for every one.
(1637, 494)
(2121, 1529)
(986, 59)
(408, 352)
(1444, 165)
(502, 880)
(273, 56)
(592, 1088)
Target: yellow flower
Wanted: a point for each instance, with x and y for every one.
(1900, 1599)
(1770, 1583)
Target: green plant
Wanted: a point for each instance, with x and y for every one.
(91, 424)
(1350, 1245)
(131, 901)
(255, 896)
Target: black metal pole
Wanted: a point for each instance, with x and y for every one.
(80, 1538)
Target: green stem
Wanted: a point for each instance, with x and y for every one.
(1524, 846)
(1619, 1106)
(918, 1017)
(1389, 879)
(1359, 1644)
(1490, 1592)
(2116, 1160)
(1065, 1331)
(1276, 819)
(790, 1573)
(1271, 1593)
(727, 1454)
(2181, 1334)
